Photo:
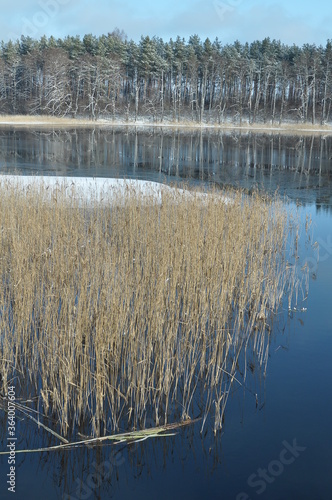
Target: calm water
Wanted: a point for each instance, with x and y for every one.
(277, 449)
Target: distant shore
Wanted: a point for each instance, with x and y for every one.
(32, 121)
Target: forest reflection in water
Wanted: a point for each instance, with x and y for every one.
(298, 166)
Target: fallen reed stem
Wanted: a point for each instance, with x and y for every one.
(127, 437)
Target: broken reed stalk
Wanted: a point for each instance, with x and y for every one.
(25, 410)
(117, 312)
(127, 437)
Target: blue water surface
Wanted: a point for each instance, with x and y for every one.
(275, 447)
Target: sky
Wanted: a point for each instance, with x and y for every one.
(291, 21)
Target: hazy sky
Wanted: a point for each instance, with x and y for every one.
(291, 21)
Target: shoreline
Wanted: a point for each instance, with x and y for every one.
(17, 121)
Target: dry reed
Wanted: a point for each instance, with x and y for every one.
(113, 314)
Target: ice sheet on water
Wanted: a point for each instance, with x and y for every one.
(95, 188)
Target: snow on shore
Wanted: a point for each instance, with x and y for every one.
(101, 189)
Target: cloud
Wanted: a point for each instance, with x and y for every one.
(226, 19)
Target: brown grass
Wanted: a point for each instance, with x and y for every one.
(44, 120)
(287, 128)
(112, 315)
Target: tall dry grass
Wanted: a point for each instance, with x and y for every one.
(115, 313)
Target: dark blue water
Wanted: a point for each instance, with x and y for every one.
(276, 448)
(299, 167)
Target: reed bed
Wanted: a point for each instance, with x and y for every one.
(113, 314)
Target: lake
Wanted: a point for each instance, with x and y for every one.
(276, 439)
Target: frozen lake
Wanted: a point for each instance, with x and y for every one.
(277, 447)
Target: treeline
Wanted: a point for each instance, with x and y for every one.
(110, 76)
